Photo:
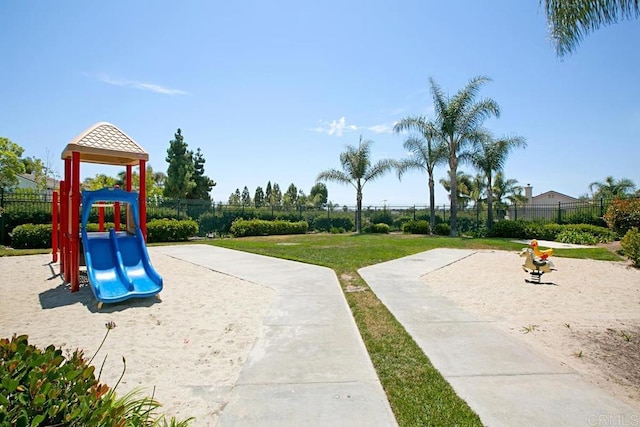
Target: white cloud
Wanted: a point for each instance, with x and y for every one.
(151, 87)
(336, 127)
(383, 128)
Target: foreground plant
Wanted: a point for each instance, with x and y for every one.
(45, 388)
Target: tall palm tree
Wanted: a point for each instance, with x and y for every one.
(357, 170)
(611, 188)
(427, 151)
(570, 20)
(459, 122)
(490, 156)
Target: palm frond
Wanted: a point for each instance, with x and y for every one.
(571, 20)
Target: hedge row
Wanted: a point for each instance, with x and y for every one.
(532, 230)
(38, 236)
(259, 227)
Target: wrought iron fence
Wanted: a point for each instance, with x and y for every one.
(24, 207)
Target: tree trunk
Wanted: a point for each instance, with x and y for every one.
(359, 208)
(432, 205)
(489, 202)
(453, 172)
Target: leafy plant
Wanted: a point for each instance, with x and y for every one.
(380, 228)
(622, 215)
(259, 227)
(42, 387)
(171, 230)
(29, 236)
(416, 227)
(630, 244)
(576, 237)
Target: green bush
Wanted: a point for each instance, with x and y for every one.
(600, 234)
(31, 236)
(513, 229)
(325, 224)
(45, 388)
(622, 215)
(171, 230)
(16, 214)
(380, 228)
(576, 237)
(442, 229)
(381, 217)
(416, 227)
(630, 244)
(258, 227)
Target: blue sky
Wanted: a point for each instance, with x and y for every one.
(274, 91)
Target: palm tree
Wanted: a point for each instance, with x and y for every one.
(464, 188)
(611, 188)
(357, 171)
(571, 20)
(427, 151)
(489, 157)
(459, 121)
(507, 189)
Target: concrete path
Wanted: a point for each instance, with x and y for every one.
(309, 366)
(504, 380)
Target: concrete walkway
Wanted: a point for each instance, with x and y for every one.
(504, 380)
(309, 366)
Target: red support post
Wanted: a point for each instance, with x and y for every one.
(54, 227)
(129, 177)
(101, 217)
(75, 222)
(116, 216)
(142, 199)
(64, 222)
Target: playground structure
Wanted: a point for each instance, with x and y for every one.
(117, 261)
(535, 265)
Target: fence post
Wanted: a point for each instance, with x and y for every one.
(601, 207)
(559, 213)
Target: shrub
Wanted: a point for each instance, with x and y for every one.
(31, 236)
(325, 224)
(622, 215)
(416, 227)
(442, 229)
(380, 228)
(381, 217)
(576, 237)
(259, 227)
(600, 234)
(514, 229)
(630, 244)
(43, 387)
(171, 230)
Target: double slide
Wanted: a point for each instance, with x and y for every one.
(118, 265)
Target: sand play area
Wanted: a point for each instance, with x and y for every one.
(585, 315)
(192, 344)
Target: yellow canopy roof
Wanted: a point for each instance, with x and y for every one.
(104, 143)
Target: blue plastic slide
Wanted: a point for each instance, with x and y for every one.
(118, 263)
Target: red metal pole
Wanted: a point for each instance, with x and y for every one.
(101, 217)
(64, 222)
(116, 216)
(128, 179)
(75, 222)
(142, 199)
(54, 227)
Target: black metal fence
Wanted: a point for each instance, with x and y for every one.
(29, 207)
